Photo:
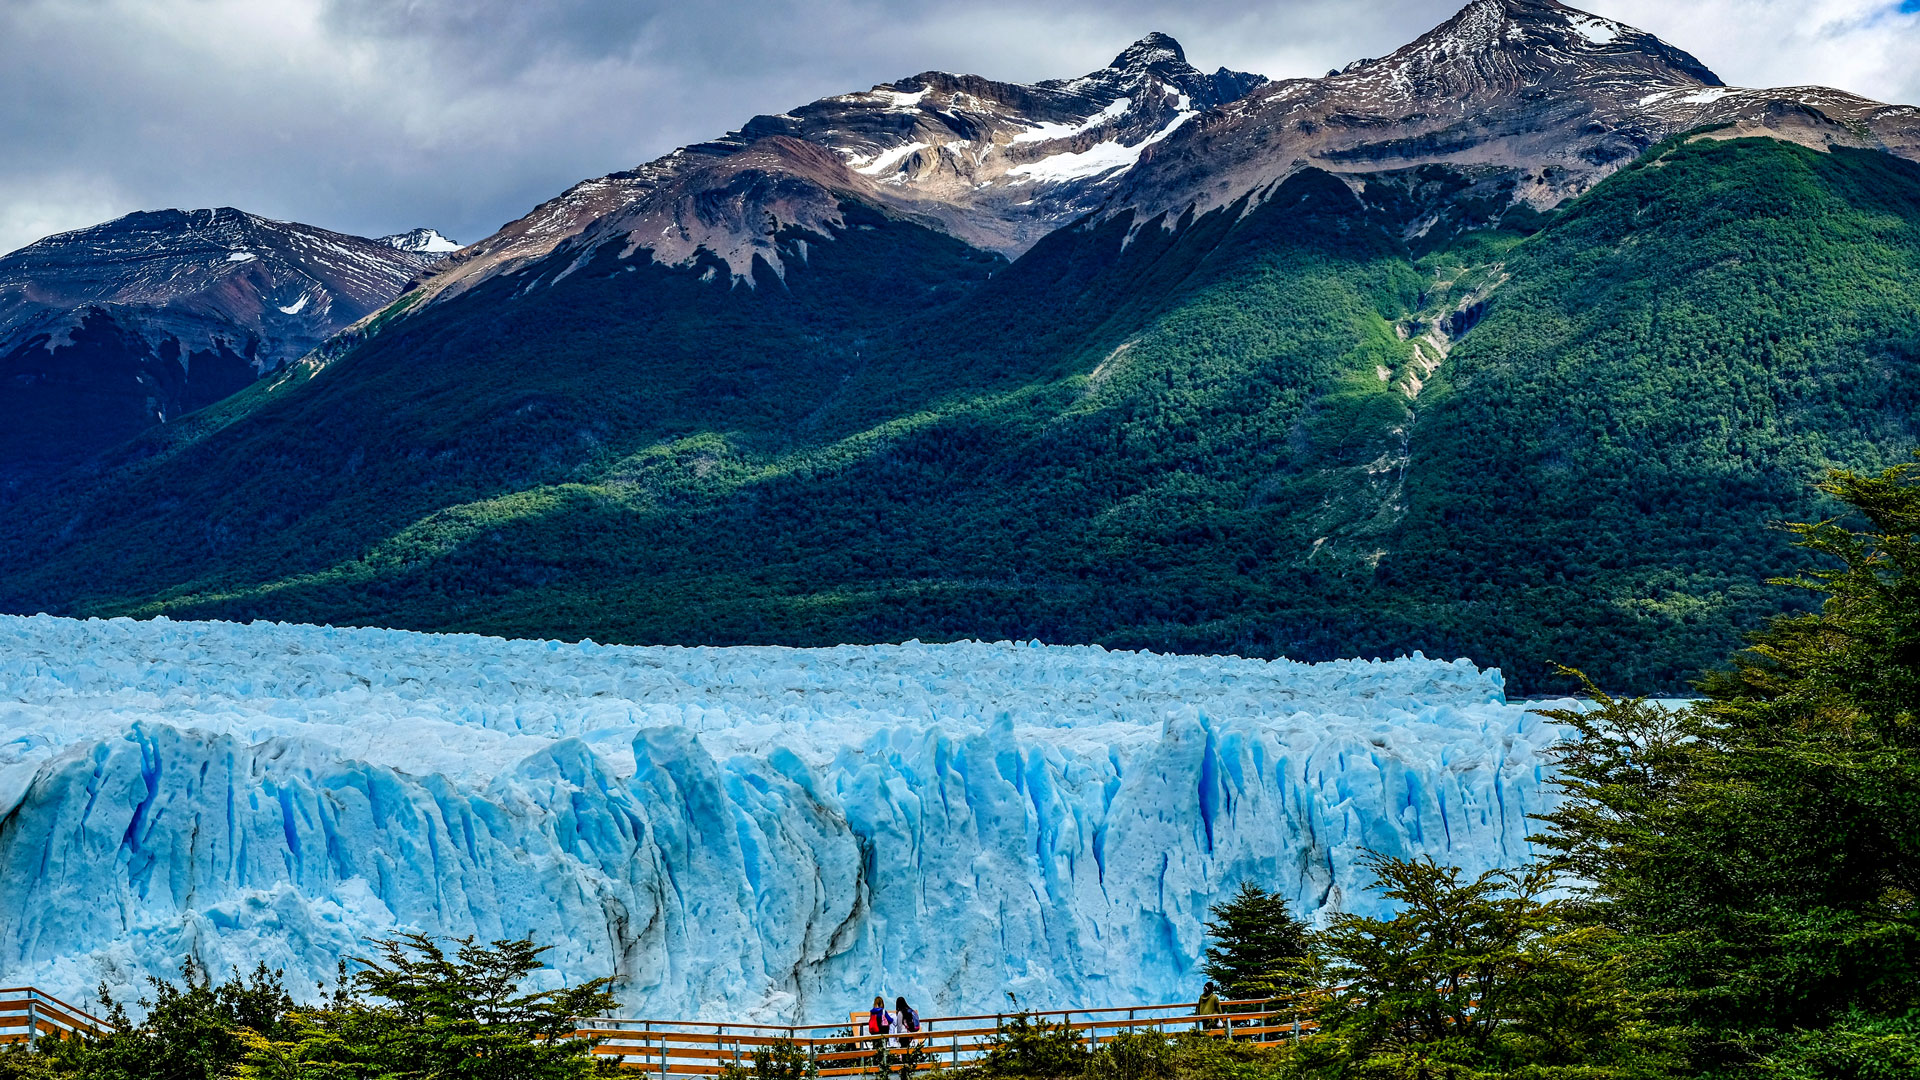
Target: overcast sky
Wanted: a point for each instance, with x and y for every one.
(372, 116)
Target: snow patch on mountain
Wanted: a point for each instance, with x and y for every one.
(421, 241)
(1098, 160)
(1595, 29)
(1047, 131)
(732, 832)
(886, 162)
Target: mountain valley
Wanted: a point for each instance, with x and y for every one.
(1506, 345)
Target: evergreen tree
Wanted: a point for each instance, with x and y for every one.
(1256, 941)
(1761, 850)
(417, 1011)
(1481, 978)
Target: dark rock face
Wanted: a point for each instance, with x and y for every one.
(102, 383)
(107, 330)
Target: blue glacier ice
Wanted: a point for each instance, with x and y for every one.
(751, 832)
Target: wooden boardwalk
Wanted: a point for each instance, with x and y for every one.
(679, 1048)
(28, 1015)
(671, 1048)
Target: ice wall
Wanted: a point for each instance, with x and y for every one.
(775, 832)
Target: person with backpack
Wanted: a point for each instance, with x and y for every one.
(907, 1019)
(879, 1020)
(1208, 1006)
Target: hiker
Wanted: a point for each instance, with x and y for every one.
(905, 1018)
(1208, 1005)
(879, 1021)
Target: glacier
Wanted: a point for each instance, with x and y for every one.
(743, 833)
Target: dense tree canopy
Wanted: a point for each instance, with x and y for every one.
(1760, 851)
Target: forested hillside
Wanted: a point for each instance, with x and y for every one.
(1665, 371)
(1236, 433)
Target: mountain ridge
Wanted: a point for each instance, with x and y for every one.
(138, 320)
(1543, 100)
(938, 147)
(1346, 413)
(1191, 142)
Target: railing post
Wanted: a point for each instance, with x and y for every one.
(954, 1044)
(33, 1020)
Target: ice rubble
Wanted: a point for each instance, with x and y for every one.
(755, 831)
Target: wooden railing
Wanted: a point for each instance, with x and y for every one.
(671, 1048)
(28, 1015)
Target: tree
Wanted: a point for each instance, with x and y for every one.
(190, 1030)
(1035, 1048)
(415, 1011)
(1257, 942)
(1760, 851)
(52, 1058)
(781, 1061)
(1477, 978)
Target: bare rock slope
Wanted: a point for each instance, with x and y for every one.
(996, 164)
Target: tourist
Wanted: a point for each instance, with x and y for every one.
(905, 1019)
(1209, 1005)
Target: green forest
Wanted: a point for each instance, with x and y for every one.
(1279, 428)
(1727, 890)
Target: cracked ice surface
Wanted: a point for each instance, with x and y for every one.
(780, 833)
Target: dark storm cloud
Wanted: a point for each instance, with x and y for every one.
(375, 115)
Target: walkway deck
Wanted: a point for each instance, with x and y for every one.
(677, 1048)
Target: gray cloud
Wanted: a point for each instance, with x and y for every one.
(371, 116)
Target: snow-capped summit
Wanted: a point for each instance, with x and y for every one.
(422, 241)
(997, 164)
(171, 257)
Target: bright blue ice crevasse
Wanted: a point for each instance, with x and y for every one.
(775, 833)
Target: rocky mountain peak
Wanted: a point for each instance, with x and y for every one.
(997, 164)
(1532, 100)
(1157, 60)
(422, 241)
(1526, 101)
(1154, 49)
(1499, 44)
